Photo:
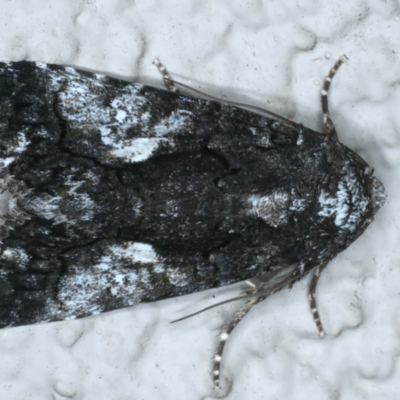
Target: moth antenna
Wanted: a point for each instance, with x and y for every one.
(226, 331)
(168, 82)
(328, 127)
(313, 303)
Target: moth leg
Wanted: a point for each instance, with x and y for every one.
(226, 331)
(328, 127)
(313, 303)
(168, 82)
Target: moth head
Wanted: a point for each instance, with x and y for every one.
(378, 195)
(377, 192)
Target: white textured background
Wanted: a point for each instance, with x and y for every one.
(273, 54)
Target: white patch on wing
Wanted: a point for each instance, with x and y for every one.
(5, 162)
(15, 254)
(12, 191)
(272, 208)
(56, 207)
(124, 271)
(23, 143)
(134, 150)
(18, 144)
(47, 207)
(136, 252)
(177, 277)
(124, 124)
(121, 115)
(141, 148)
(297, 204)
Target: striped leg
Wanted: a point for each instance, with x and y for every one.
(329, 127)
(167, 79)
(313, 303)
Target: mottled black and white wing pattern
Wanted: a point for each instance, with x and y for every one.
(114, 193)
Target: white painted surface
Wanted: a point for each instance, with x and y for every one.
(275, 55)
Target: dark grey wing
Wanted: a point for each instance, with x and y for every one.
(116, 193)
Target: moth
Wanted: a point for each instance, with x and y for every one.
(114, 193)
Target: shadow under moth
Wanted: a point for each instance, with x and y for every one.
(114, 193)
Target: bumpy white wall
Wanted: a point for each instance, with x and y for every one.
(273, 54)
